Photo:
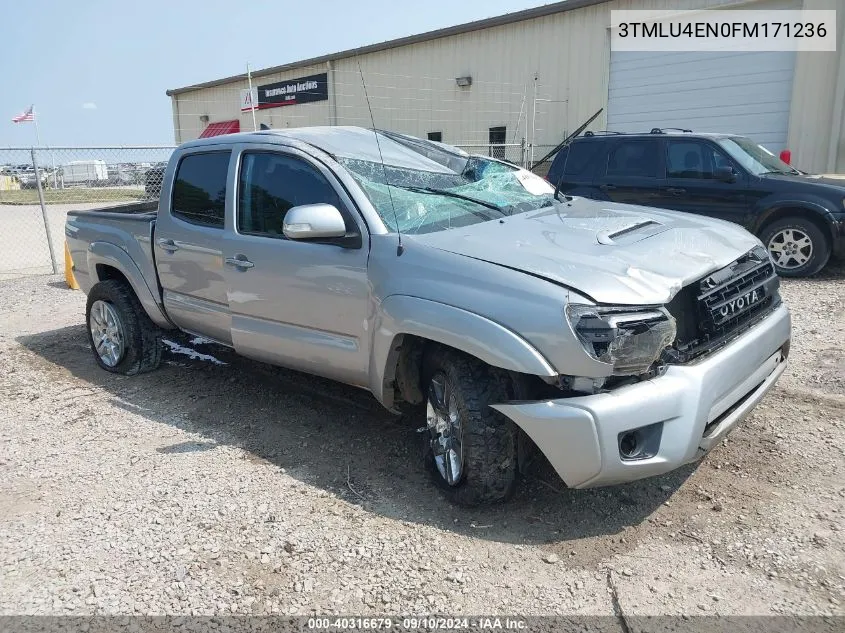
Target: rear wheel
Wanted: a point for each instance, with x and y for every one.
(797, 246)
(470, 448)
(122, 337)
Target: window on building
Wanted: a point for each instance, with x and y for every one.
(633, 158)
(497, 141)
(199, 191)
(693, 159)
(271, 184)
(435, 136)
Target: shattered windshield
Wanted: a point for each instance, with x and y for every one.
(441, 192)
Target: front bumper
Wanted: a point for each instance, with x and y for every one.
(698, 404)
(837, 230)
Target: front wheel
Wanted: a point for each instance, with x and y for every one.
(122, 337)
(797, 246)
(470, 448)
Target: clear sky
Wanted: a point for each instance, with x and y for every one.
(97, 70)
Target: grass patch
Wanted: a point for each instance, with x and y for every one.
(71, 195)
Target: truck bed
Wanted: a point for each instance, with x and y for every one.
(115, 237)
(147, 209)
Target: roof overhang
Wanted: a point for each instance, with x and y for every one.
(468, 27)
(221, 127)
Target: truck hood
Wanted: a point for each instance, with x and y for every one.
(613, 253)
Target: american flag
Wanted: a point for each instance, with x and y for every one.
(26, 115)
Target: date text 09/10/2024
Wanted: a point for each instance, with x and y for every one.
(415, 623)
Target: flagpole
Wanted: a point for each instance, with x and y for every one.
(35, 120)
(249, 79)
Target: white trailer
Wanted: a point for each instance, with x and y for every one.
(85, 172)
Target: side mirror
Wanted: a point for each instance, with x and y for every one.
(309, 221)
(725, 174)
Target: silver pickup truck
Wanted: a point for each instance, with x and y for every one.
(621, 341)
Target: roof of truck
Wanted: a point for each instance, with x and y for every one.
(340, 141)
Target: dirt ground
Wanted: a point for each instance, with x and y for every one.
(217, 485)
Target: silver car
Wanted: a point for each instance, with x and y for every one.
(620, 341)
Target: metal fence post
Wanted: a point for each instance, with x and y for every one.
(522, 148)
(44, 212)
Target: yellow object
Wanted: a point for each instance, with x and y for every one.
(69, 278)
(7, 183)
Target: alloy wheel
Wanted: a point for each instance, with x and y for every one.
(790, 248)
(443, 421)
(107, 333)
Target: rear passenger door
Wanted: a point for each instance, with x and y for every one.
(633, 172)
(189, 237)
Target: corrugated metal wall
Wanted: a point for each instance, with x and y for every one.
(412, 88)
(816, 129)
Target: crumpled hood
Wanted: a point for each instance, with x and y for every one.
(613, 253)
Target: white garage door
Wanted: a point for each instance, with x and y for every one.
(741, 93)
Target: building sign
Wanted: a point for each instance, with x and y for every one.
(249, 99)
(283, 93)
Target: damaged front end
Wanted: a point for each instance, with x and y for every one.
(630, 340)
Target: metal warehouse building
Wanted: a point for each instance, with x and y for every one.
(529, 78)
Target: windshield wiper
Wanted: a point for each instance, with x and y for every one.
(452, 194)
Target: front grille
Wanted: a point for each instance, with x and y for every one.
(713, 311)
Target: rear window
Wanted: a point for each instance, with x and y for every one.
(575, 159)
(199, 191)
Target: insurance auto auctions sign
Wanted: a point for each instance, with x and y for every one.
(283, 93)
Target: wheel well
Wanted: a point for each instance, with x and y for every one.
(789, 212)
(410, 352)
(104, 272)
(407, 371)
(407, 378)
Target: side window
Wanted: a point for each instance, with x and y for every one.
(634, 158)
(271, 184)
(199, 191)
(579, 157)
(694, 159)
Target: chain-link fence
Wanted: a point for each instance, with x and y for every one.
(536, 163)
(515, 153)
(38, 186)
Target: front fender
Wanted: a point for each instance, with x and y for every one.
(769, 208)
(466, 331)
(111, 255)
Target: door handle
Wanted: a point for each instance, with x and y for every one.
(239, 262)
(607, 187)
(168, 245)
(676, 191)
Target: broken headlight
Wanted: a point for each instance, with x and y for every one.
(629, 339)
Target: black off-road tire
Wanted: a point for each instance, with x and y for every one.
(143, 346)
(489, 438)
(821, 245)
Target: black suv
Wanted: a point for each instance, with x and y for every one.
(799, 218)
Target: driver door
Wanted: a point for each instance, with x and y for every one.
(692, 186)
(296, 303)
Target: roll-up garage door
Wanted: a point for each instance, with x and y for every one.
(745, 93)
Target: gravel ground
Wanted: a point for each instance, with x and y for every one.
(217, 485)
